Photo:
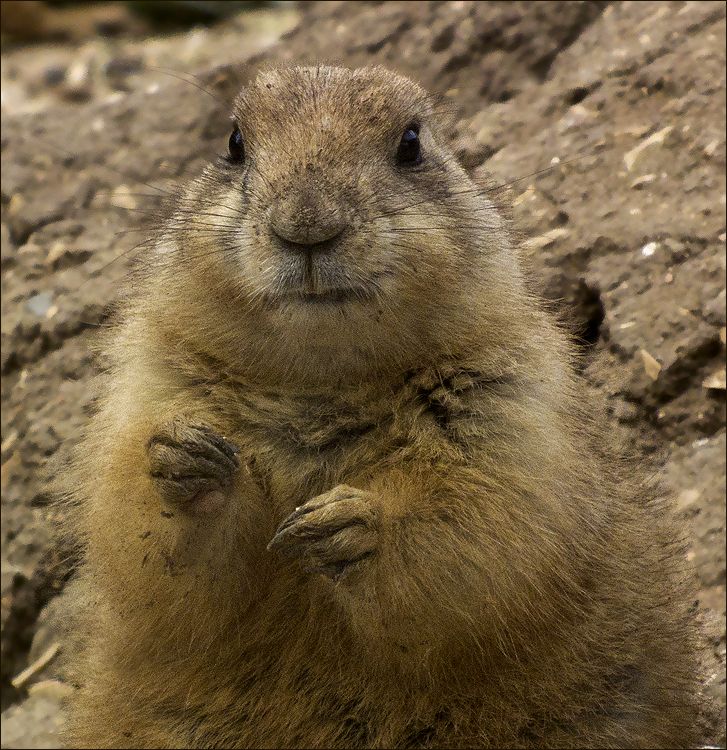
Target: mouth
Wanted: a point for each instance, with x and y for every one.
(324, 283)
(330, 296)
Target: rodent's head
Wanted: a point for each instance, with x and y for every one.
(341, 208)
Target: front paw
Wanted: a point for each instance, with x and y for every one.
(331, 533)
(191, 465)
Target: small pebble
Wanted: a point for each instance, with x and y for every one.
(39, 304)
(645, 179)
(658, 137)
(711, 147)
(77, 84)
(651, 365)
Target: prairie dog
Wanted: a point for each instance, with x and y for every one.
(344, 488)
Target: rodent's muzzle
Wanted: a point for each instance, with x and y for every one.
(309, 221)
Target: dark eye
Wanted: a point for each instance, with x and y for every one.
(236, 146)
(410, 147)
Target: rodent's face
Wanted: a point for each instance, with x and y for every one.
(339, 192)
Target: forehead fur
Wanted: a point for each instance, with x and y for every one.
(371, 97)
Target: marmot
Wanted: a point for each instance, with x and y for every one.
(343, 488)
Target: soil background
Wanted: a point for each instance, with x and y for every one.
(603, 122)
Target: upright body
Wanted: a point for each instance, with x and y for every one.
(343, 488)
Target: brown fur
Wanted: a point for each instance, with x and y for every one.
(514, 584)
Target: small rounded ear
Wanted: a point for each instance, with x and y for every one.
(226, 82)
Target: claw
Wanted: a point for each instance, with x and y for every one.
(329, 533)
(192, 465)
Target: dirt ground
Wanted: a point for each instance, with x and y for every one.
(606, 122)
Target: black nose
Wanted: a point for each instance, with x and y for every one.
(307, 242)
(309, 222)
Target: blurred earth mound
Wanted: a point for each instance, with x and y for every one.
(624, 103)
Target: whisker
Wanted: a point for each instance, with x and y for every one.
(179, 77)
(104, 267)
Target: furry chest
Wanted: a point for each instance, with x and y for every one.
(313, 444)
